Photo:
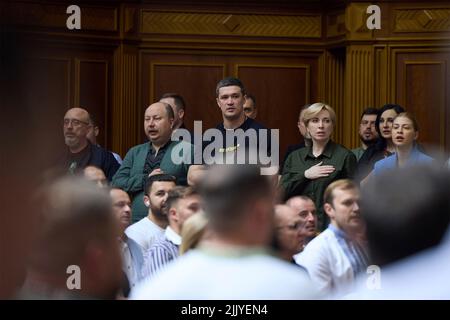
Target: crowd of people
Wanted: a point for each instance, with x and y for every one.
(161, 225)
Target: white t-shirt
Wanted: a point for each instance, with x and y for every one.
(144, 232)
(200, 274)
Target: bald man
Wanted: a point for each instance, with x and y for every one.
(80, 152)
(289, 232)
(95, 175)
(153, 157)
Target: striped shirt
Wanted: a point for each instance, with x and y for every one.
(163, 250)
(333, 260)
(355, 253)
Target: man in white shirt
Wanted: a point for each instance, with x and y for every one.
(233, 263)
(132, 258)
(336, 256)
(146, 230)
(182, 203)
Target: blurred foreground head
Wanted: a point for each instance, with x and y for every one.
(78, 229)
(406, 212)
(239, 202)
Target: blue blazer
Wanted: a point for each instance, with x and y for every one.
(416, 157)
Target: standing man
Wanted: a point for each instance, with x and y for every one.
(230, 93)
(234, 263)
(153, 156)
(80, 152)
(336, 256)
(306, 209)
(78, 233)
(178, 105)
(367, 131)
(132, 258)
(149, 228)
(182, 203)
(250, 109)
(93, 133)
(288, 232)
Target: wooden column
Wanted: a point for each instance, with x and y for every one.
(124, 119)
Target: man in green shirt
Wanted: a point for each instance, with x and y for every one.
(153, 157)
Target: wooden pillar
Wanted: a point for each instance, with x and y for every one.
(124, 115)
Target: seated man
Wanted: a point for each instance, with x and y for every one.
(182, 203)
(336, 256)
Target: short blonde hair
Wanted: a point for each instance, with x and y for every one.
(343, 184)
(192, 231)
(314, 109)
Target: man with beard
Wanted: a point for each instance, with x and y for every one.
(182, 203)
(338, 255)
(146, 230)
(367, 131)
(81, 153)
(153, 157)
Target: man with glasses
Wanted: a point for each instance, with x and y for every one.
(80, 152)
(289, 235)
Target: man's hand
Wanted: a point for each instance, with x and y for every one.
(319, 171)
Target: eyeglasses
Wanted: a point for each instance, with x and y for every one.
(74, 122)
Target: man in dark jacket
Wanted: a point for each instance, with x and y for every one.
(80, 152)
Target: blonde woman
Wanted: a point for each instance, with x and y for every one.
(193, 232)
(308, 171)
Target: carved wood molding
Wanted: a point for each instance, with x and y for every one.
(336, 24)
(422, 20)
(300, 26)
(55, 16)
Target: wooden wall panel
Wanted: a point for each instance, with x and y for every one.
(281, 85)
(51, 79)
(194, 81)
(93, 89)
(280, 92)
(422, 88)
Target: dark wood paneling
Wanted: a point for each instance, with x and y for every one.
(50, 90)
(93, 91)
(422, 82)
(196, 84)
(280, 92)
